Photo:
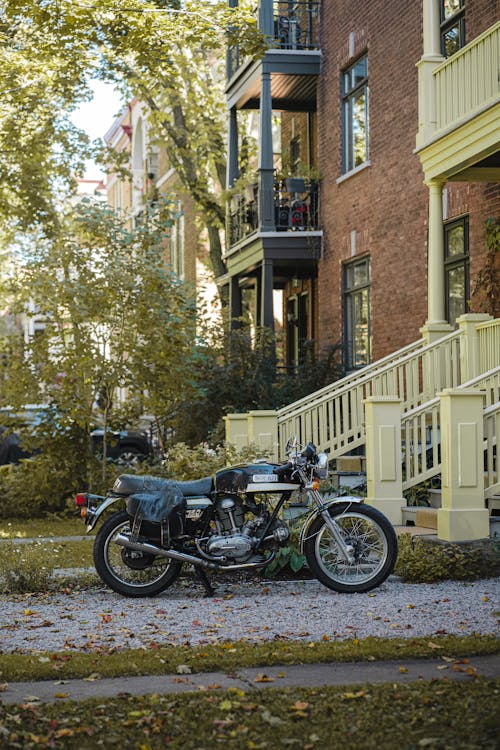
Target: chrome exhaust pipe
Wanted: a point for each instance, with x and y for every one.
(152, 549)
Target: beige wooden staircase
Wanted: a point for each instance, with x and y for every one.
(393, 410)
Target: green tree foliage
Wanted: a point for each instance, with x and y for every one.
(237, 374)
(169, 54)
(115, 317)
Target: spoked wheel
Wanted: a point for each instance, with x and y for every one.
(126, 571)
(372, 539)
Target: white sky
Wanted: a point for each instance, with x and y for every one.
(97, 116)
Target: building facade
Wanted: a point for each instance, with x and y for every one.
(185, 250)
(393, 237)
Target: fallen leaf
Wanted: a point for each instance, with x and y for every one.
(403, 670)
(263, 678)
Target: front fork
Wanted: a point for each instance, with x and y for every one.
(346, 550)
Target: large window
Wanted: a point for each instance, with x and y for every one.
(355, 115)
(452, 26)
(357, 313)
(456, 247)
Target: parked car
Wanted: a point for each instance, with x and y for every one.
(126, 446)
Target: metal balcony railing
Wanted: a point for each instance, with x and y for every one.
(296, 208)
(296, 24)
(295, 27)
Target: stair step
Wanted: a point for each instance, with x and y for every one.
(351, 464)
(420, 517)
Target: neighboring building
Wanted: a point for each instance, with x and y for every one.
(185, 249)
(405, 139)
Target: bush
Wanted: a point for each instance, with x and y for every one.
(425, 562)
(24, 568)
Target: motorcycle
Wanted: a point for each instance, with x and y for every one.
(232, 522)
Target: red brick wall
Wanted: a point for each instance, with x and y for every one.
(387, 202)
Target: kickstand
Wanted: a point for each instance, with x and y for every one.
(203, 578)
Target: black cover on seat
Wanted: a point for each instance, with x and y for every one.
(130, 484)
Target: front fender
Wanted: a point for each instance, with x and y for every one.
(93, 514)
(316, 511)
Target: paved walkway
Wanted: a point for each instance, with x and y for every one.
(249, 679)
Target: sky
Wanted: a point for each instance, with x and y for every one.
(97, 116)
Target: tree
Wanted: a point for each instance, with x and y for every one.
(115, 317)
(166, 53)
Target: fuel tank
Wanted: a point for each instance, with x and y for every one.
(256, 477)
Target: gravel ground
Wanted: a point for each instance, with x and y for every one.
(245, 609)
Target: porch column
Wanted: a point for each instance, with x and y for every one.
(266, 18)
(266, 295)
(235, 308)
(233, 171)
(436, 325)
(462, 516)
(431, 58)
(266, 165)
(383, 456)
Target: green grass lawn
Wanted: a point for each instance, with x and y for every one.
(436, 715)
(25, 528)
(230, 656)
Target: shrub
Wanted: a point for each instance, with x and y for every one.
(424, 562)
(24, 568)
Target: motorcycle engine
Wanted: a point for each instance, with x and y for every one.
(236, 538)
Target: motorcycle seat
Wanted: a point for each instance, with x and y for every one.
(130, 484)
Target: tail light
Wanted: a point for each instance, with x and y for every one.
(81, 499)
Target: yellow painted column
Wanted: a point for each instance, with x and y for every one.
(263, 432)
(383, 456)
(237, 430)
(462, 516)
(435, 256)
(470, 364)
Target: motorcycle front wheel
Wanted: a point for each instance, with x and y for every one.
(373, 541)
(128, 572)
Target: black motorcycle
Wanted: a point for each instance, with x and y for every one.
(233, 522)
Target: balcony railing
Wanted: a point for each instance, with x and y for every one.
(468, 81)
(295, 27)
(296, 208)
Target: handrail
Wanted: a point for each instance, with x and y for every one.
(333, 417)
(374, 369)
(420, 431)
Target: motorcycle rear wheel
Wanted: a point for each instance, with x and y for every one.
(374, 543)
(127, 572)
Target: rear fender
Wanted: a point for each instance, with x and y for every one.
(316, 512)
(93, 513)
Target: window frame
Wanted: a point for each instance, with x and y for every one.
(349, 293)
(456, 261)
(456, 19)
(348, 94)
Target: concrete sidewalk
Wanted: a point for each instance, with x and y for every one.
(249, 679)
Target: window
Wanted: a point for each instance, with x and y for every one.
(452, 26)
(357, 313)
(456, 248)
(355, 115)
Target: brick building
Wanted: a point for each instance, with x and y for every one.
(363, 127)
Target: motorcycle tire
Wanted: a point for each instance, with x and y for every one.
(130, 573)
(374, 543)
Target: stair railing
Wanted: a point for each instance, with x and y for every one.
(333, 417)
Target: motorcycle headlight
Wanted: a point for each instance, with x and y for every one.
(321, 468)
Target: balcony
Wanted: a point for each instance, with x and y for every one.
(459, 111)
(293, 57)
(296, 208)
(295, 27)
